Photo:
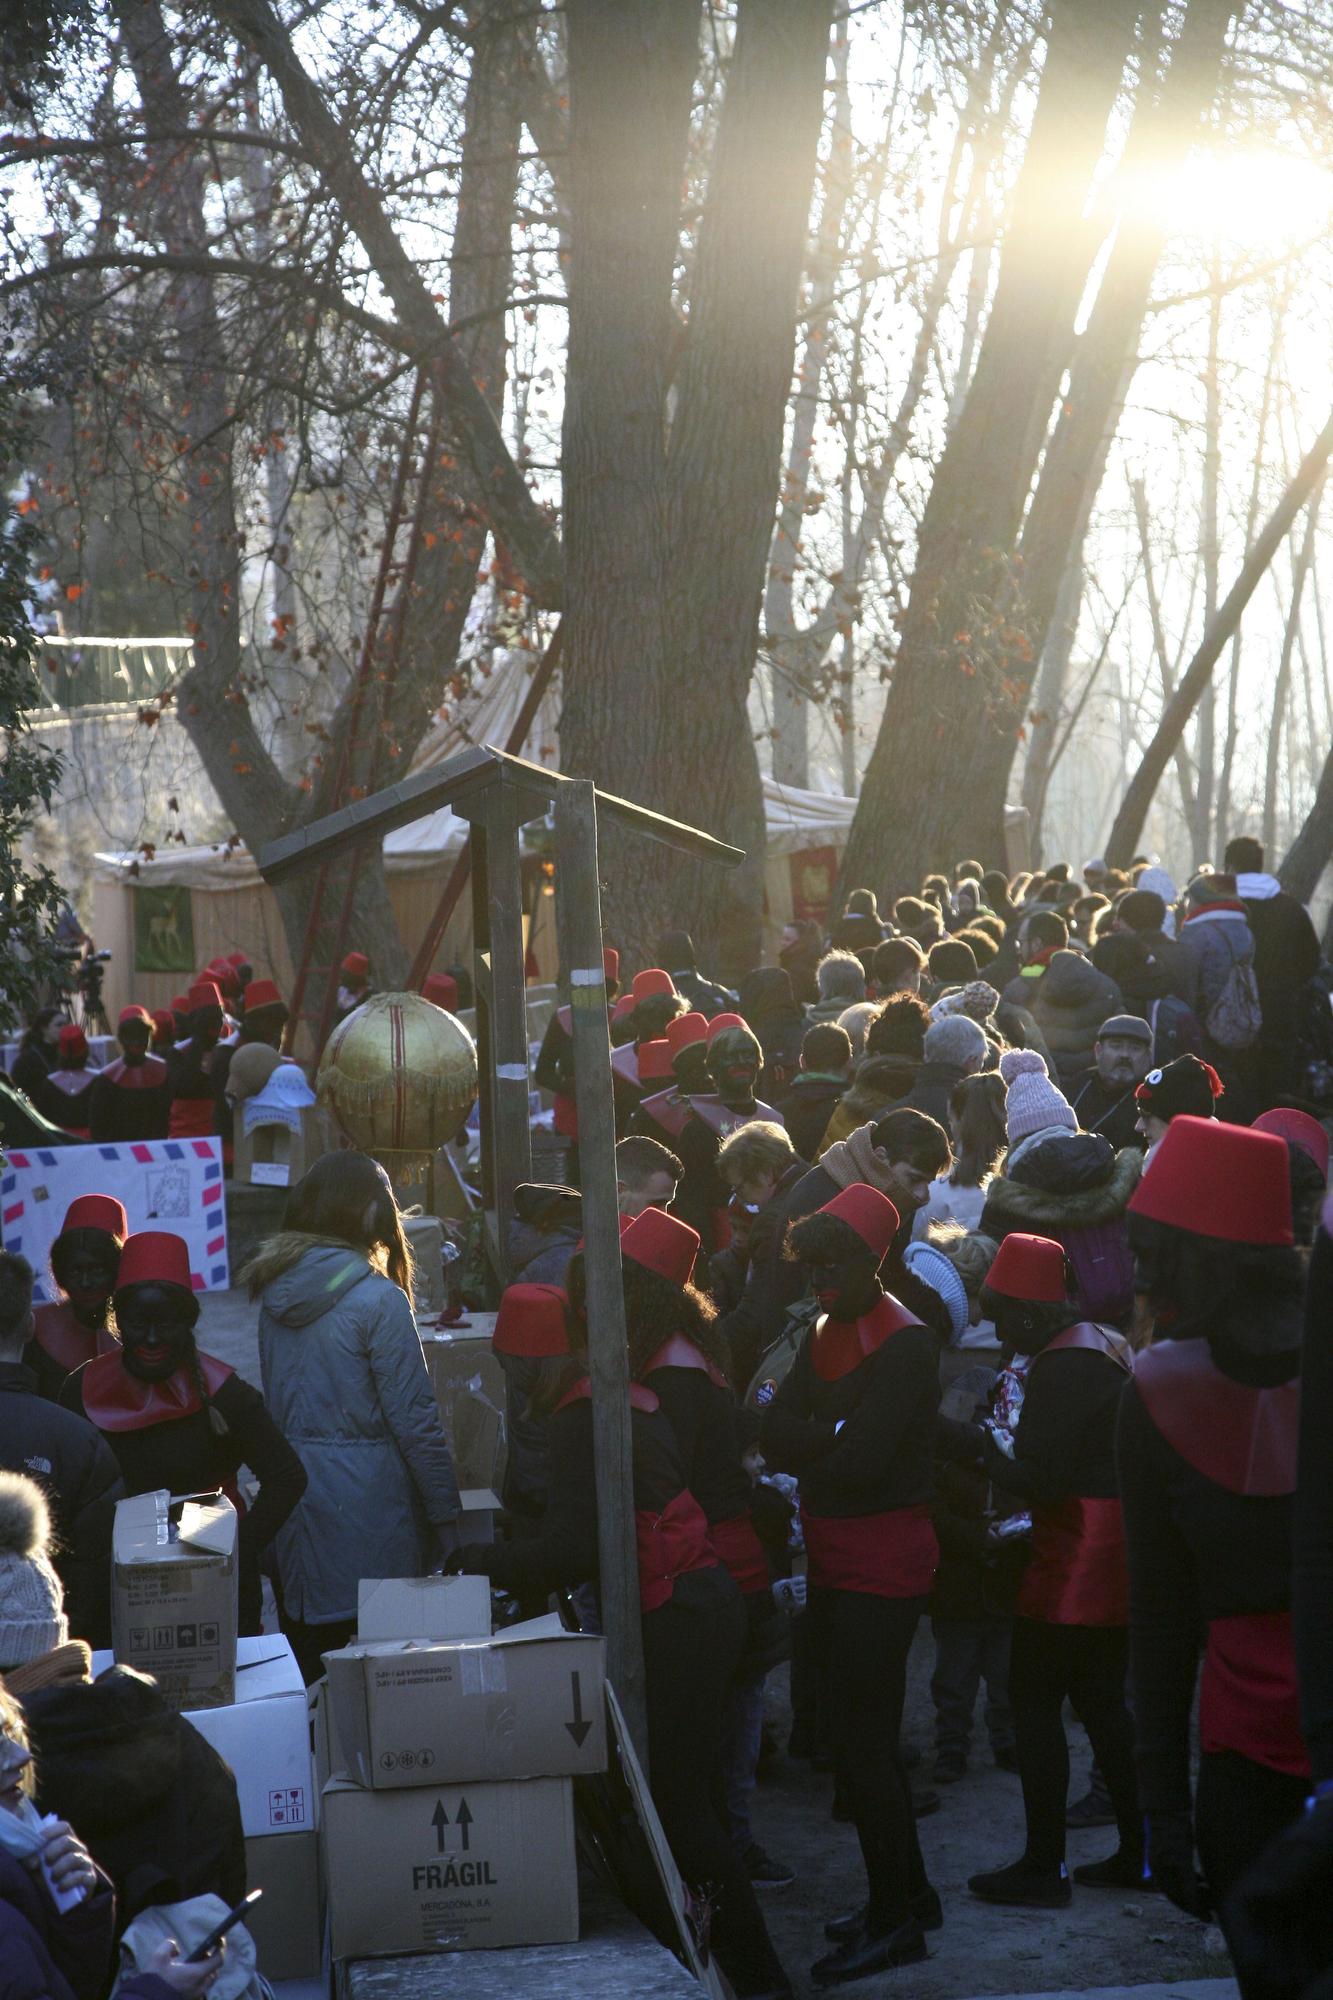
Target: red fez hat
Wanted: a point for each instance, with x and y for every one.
(357, 964)
(721, 1021)
(1032, 1268)
(164, 1024)
(660, 1243)
(623, 1006)
(261, 993)
(204, 994)
(129, 1015)
(611, 965)
(685, 1030)
(236, 960)
(871, 1214)
(223, 976)
(531, 1322)
(441, 989)
(1219, 1180)
(73, 1041)
(655, 1061)
(180, 1005)
(97, 1211)
(1298, 1128)
(155, 1257)
(654, 980)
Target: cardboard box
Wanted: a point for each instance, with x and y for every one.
(287, 1924)
(275, 1155)
(456, 1868)
(469, 1389)
(173, 1595)
(480, 1507)
(423, 1607)
(525, 1704)
(425, 1240)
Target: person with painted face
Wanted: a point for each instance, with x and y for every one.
(190, 1072)
(854, 1419)
(693, 1622)
(130, 1098)
(179, 1419)
(734, 1062)
(1185, 1088)
(85, 1259)
(1208, 1449)
(1070, 1637)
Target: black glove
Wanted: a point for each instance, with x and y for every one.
(1170, 1856)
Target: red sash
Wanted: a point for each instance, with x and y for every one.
(742, 1552)
(115, 1400)
(1242, 1439)
(838, 1346)
(1077, 1574)
(60, 1334)
(670, 1544)
(893, 1554)
(1249, 1700)
(192, 1118)
(679, 1352)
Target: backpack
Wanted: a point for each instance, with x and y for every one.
(1235, 1017)
(1175, 1031)
(1103, 1268)
(1314, 1037)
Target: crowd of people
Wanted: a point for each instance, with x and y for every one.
(968, 1256)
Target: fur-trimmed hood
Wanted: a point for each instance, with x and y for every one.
(1038, 1210)
(303, 1276)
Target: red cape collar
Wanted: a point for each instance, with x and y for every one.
(115, 1400)
(837, 1346)
(639, 1397)
(67, 1341)
(1244, 1440)
(150, 1074)
(680, 1352)
(1092, 1338)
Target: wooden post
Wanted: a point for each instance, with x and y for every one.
(579, 913)
(502, 1004)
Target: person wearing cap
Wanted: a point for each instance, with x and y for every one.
(734, 1062)
(676, 952)
(678, 1350)
(354, 987)
(85, 1258)
(1070, 1640)
(531, 1344)
(164, 1031)
(654, 1004)
(1065, 1184)
(179, 1419)
(191, 1070)
(1102, 1099)
(661, 1113)
(693, 1623)
(130, 1099)
(1208, 1455)
(1185, 1088)
(854, 1420)
(554, 1069)
(72, 1464)
(262, 1025)
(441, 989)
(1307, 1146)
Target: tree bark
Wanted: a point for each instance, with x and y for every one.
(1282, 683)
(1312, 850)
(950, 688)
(1143, 786)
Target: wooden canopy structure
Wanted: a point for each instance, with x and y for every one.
(497, 794)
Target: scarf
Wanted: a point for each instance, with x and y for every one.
(854, 1159)
(23, 1833)
(1225, 906)
(71, 1662)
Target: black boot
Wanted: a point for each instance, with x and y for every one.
(1121, 1870)
(925, 1906)
(1024, 1885)
(866, 1954)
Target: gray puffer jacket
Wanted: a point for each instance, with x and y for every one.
(346, 1381)
(1071, 1002)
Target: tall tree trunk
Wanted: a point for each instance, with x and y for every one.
(1184, 762)
(1142, 789)
(1047, 705)
(959, 645)
(1282, 683)
(1206, 730)
(1312, 850)
(1166, 124)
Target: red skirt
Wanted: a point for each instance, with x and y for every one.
(1249, 1701)
(1078, 1574)
(893, 1554)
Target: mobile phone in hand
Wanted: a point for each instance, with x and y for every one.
(219, 1930)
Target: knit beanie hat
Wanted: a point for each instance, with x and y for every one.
(1185, 1088)
(32, 1615)
(1033, 1103)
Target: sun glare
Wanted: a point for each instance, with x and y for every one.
(1248, 197)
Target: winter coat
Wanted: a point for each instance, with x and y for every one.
(1074, 1188)
(768, 1003)
(1071, 1001)
(77, 1470)
(950, 1201)
(704, 995)
(807, 1108)
(867, 1101)
(541, 1256)
(755, 1320)
(346, 1380)
(1146, 966)
(1216, 940)
(151, 1799)
(934, 1086)
(1286, 958)
(44, 1956)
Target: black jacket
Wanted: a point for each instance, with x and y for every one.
(77, 1470)
(935, 1084)
(807, 1108)
(154, 1803)
(1146, 966)
(704, 995)
(1113, 1114)
(1312, 1587)
(1286, 958)
(757, 1318)
(1065, 1441)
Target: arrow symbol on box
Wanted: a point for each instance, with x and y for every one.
(578, 1728)
(463, 1822)
(439, 1819)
